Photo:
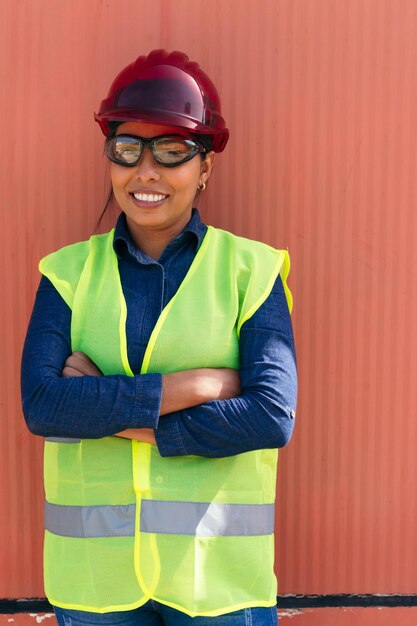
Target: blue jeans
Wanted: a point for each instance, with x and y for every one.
(155, 614)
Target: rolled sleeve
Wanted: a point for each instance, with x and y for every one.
(148, 394)
(168, 437)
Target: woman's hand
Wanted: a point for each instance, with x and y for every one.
(78, 364)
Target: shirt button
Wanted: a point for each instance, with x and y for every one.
(159, 480)
(292, 414)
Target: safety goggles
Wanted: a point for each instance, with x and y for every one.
(167, 150)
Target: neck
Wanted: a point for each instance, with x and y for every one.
(153, 241)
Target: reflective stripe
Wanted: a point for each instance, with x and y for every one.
(202, 519)
(205, 519)
(90, 521)
(62, 440)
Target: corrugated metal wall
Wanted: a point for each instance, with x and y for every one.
(320, 97)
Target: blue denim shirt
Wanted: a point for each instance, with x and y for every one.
(93, 407)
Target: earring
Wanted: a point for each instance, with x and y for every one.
(201, 186)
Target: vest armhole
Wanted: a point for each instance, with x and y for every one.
(63, 268)
(281, 267)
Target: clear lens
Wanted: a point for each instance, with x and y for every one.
(168, 151)
(173, 150)
(124, 150)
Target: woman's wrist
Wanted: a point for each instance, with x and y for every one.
(180, 390)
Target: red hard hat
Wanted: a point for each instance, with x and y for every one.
(165, 88)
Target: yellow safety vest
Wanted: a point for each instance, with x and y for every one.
(124, 524)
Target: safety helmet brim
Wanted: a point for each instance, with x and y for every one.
(219, 137)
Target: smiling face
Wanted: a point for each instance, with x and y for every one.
(157, 200)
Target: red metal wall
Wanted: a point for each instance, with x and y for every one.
(320, 97)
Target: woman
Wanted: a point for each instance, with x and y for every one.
(159, 365)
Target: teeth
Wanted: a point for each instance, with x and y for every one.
(149, 197)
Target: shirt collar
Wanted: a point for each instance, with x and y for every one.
(123, 243)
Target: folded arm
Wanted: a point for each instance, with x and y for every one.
(200, 414)
(180, 390)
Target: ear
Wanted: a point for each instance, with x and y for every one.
(206, 167)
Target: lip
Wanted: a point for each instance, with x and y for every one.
(158, 192)
(143, 203)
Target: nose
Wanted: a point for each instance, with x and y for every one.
(147, 168)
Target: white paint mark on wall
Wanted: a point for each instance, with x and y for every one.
(289, 613)
(40, 618)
